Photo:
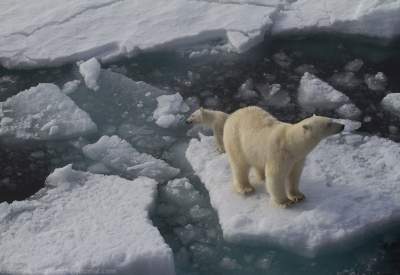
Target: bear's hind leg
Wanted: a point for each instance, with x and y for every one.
(275, 182)
(240, 174)
(294, 193)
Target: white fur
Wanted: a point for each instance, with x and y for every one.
(213, 119)
(253, 138)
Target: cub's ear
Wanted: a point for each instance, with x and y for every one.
(306, 127)
(201, 109)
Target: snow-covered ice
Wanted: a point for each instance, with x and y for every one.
(84, 29)
(374, 18)
(169, 111)
(315, 94)
(119, 156)
(351, 185)
(42, 113)
(90, 71)
(391, 104)
(84, 223)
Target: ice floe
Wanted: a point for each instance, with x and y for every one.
(169, 111)
(84, 29)
(375, 18)
(43, 113)
(119, 156)
(84, 223)
(315, 94)
(351, 185)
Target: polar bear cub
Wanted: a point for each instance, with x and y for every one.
(276, 150)
(212, 119)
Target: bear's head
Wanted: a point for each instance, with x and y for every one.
(319, 127)
(196, 117)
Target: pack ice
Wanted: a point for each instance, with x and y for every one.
(352, 187)
(84, 223)
(43, 113)
(375, 18)
(118, 155)
(315, 94)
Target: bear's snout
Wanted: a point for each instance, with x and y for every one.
(188, 121)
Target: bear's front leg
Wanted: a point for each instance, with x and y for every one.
(294, 193)
(219, 140)
(275, 181)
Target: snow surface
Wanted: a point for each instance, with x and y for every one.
(351, 183)
(118, 155)
(43, 113)
(84, 223)
(169, 110)
(84, 29)
(90, 71)
(315, 94)
(375, 18)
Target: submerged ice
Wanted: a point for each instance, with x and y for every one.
(351, 185)
(118, 155)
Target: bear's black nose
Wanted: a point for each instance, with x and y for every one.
(188, 122)
(341, 128)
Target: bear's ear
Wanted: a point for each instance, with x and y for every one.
(201, 109)
(306, 127)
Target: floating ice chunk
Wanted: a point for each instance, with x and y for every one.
(376, 82)
(346, 80)
(169, 110)
(391, 103)
(84, 223)
(70, 86)
(118, 155)
(305, 68)
(313, 94)
(43, 113)
(354, 65)
(90, 71)
(246, 91)
(351, 185)
(349, 111)
(181, 193)
(282, 60)
(275, 96)
(372, 18)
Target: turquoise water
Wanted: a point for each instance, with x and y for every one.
(214, 80)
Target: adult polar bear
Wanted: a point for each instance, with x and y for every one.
(253, 138)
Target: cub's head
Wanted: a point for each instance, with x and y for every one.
(319, 127)
(196, 117)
